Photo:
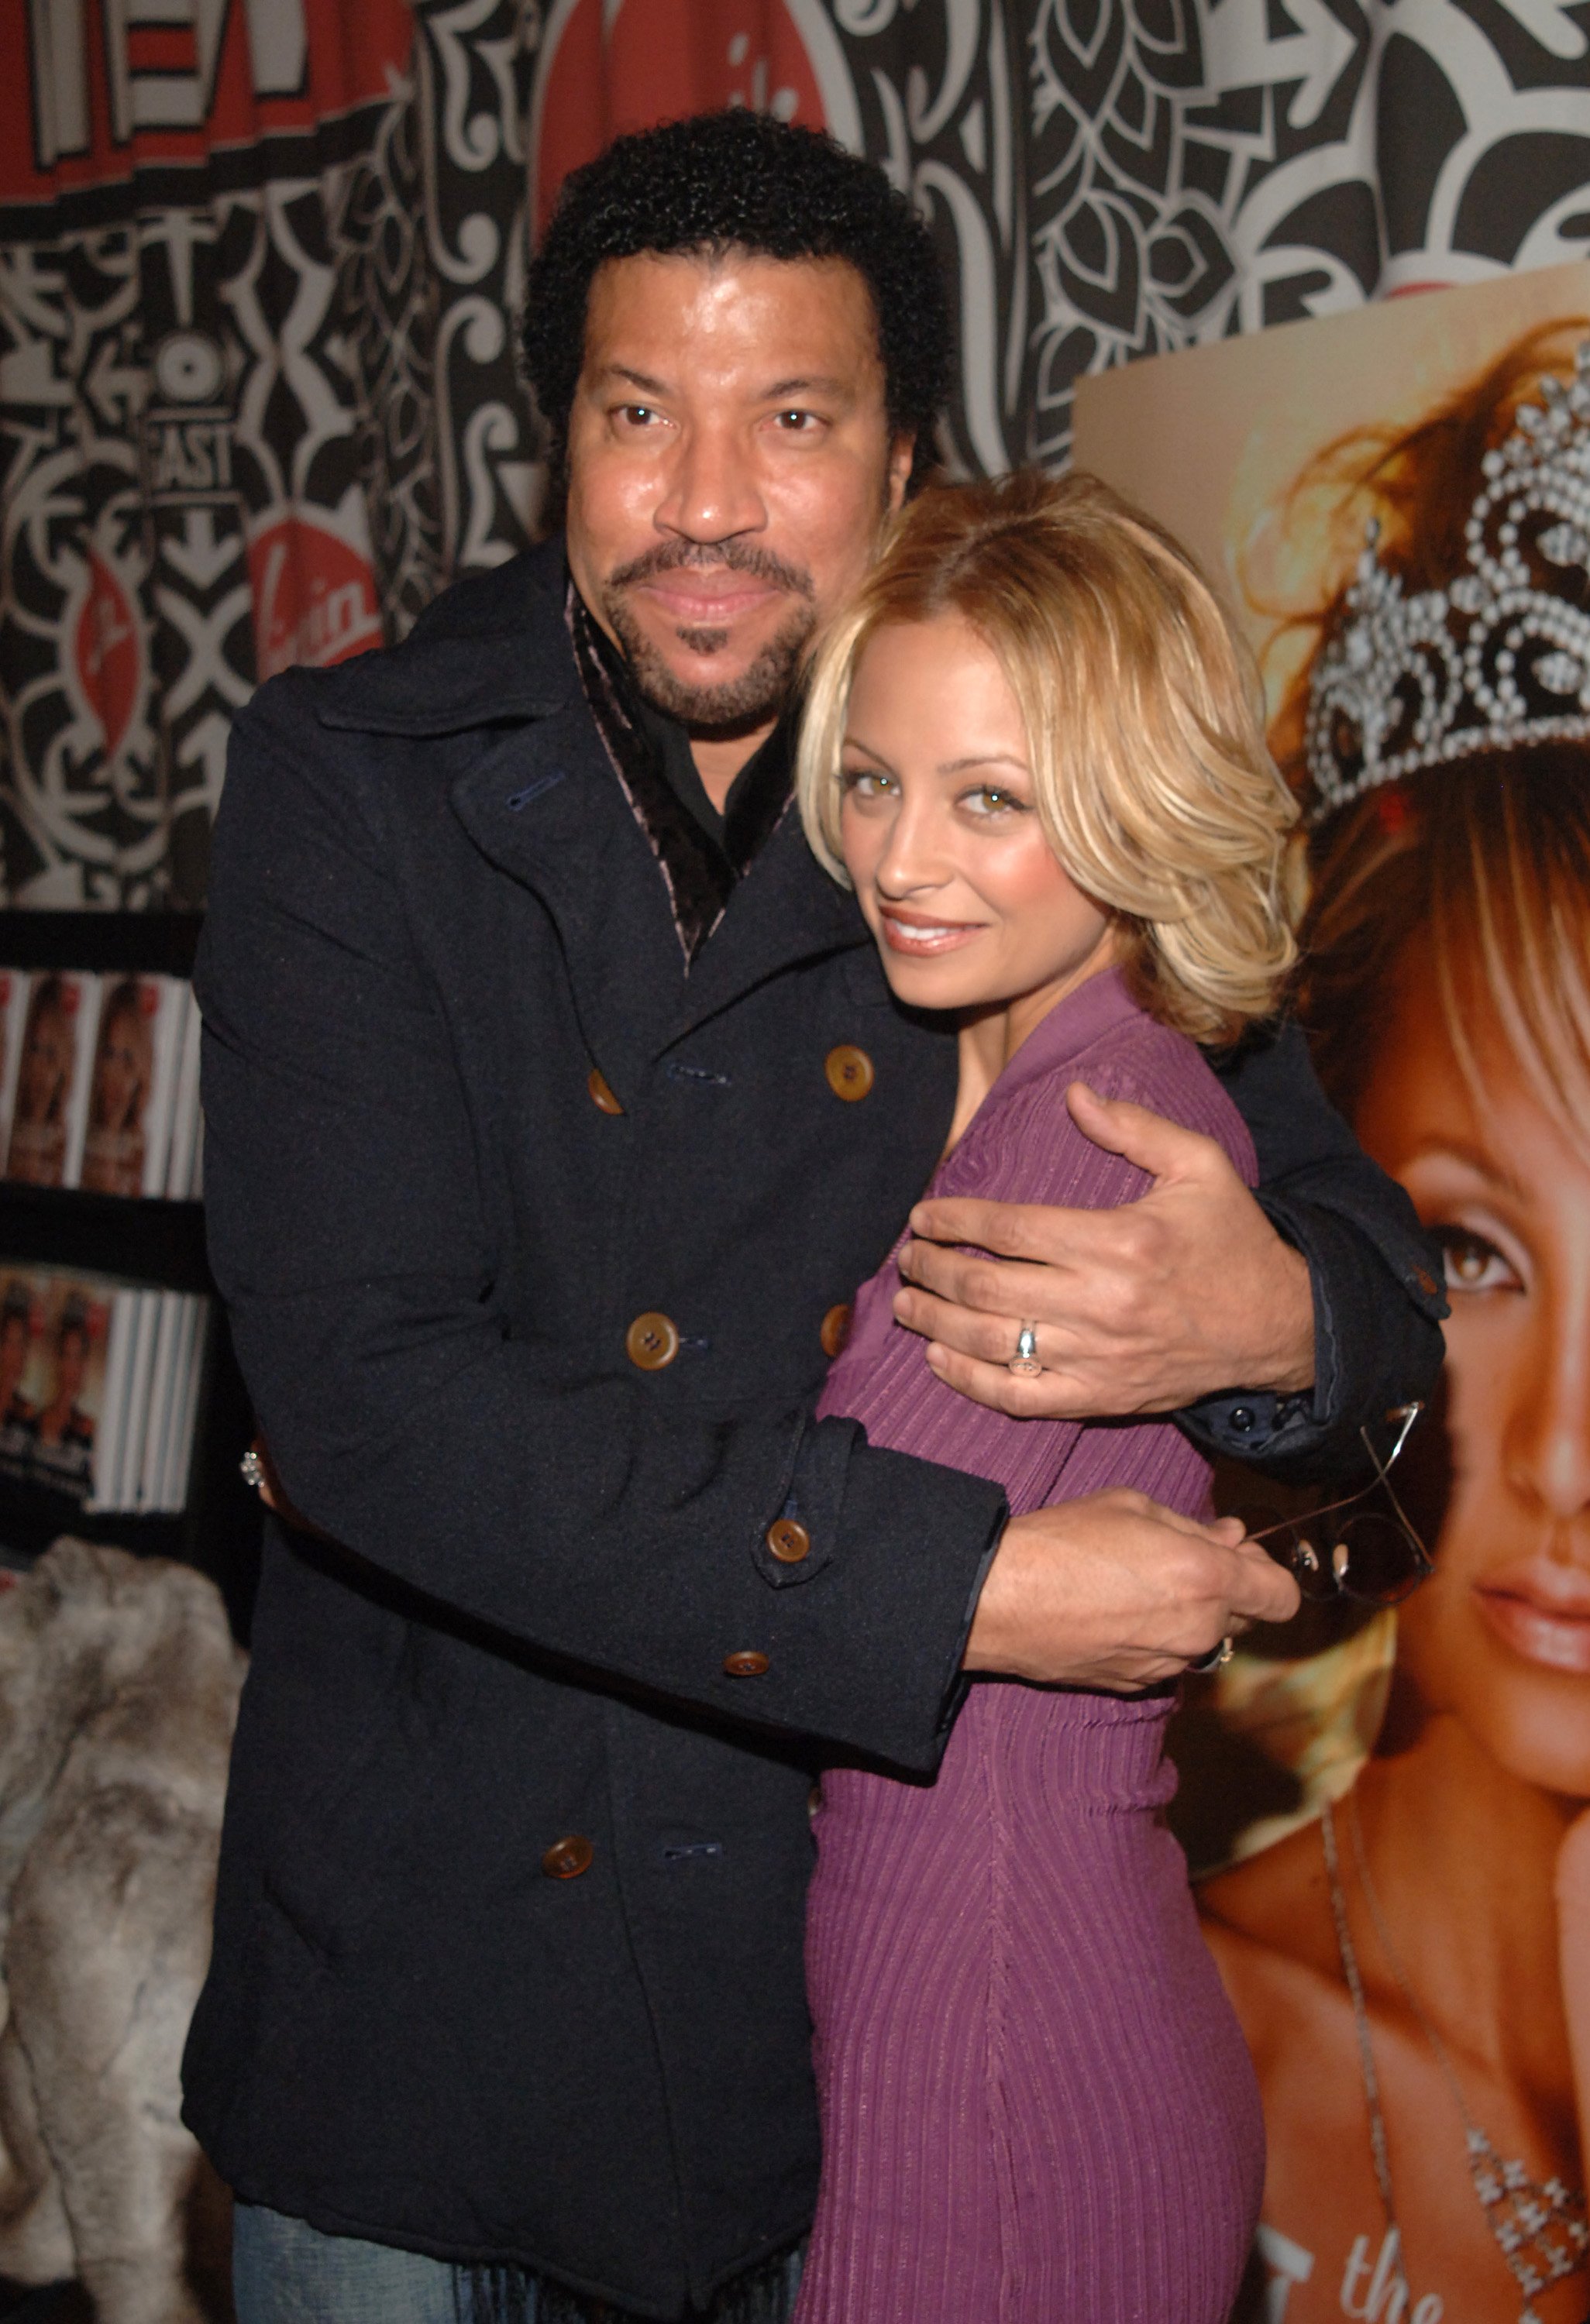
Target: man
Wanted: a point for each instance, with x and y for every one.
(556, 1104)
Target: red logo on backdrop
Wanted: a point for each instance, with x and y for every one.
(90, 91)
(606, 69)
(107, 652)
(314, 598)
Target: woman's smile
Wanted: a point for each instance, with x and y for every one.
(915, 932)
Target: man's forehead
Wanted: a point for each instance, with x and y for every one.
(647, 289)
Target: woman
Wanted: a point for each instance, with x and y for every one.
(124, 1070)
(63, 1439)
(44, 1079)
(1028, 749)
(1413, 1971)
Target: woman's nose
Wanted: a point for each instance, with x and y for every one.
(912, 858)
(1546, 1444)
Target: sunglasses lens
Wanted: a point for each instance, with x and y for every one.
(1373, 1559)
(1304, 1548)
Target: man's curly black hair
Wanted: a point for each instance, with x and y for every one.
(739, 179)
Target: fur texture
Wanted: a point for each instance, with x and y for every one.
(118, 1693)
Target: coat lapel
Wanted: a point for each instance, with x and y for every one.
(785, 909)
(544, 806)
(542, 802)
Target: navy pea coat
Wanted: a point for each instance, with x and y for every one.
(507, 1958)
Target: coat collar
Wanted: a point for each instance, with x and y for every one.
(542, 803)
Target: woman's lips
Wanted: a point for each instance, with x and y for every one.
(924, 938)
(1542, 1611)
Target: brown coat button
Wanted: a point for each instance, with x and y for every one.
(651, 1341)
(836, 1328)
(749, 1665)
(568, 1857)
(788, 1542)
(849, 1071)
(1426, 1282)
(601, 1091)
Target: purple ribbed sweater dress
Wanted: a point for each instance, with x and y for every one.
(1037, 2105)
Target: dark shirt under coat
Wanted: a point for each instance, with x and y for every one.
(434, 916)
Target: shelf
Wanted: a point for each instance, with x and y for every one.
(141, 1238)
(149, 944)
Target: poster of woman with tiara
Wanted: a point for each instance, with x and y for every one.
(1397, 504)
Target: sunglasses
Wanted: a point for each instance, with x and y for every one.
(1365, 1546)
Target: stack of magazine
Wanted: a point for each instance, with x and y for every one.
(99, 1081)
(99, 1387)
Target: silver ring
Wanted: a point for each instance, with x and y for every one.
(1216, 1659)
(252, 1469)
(1025, 1360)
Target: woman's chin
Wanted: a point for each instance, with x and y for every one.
(926, 982)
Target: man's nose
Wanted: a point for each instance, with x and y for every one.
(712, 491)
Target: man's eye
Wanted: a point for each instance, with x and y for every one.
(1474, 1264)
(795, 423)
(636, 415)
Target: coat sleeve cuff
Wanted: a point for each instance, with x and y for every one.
(863, 1633)
(1377, 1343)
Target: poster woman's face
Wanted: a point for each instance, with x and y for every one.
(1499, 1637)
(120, 1070)
(45, 1063)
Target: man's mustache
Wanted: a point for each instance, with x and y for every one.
(734, 555)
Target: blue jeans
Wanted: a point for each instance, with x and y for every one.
(285, 2272)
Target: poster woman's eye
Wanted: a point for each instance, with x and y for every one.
(1473, 1263)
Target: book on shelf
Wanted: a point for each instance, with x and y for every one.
(49, 1105)
(100, 1388)
(99, 1081)
(132, 1094)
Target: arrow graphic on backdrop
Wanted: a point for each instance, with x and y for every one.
(1240, 51)
(113, 386)
(199, 557)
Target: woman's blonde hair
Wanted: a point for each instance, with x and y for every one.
(1149, 769)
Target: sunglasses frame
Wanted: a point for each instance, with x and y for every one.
(1305, 1560)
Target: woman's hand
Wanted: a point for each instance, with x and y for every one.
(1572, 1923)
(1146, 1308)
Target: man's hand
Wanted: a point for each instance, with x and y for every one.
(1112, 1590)
(1146, 1308)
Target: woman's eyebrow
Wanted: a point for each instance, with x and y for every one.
(983, 759)
(1472, 1158)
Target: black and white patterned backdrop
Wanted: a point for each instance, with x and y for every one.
(259, 262)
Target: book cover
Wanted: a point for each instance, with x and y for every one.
(179, 1168)
(121, 1489)
(63, 1380)
(193, 1343)
(14, 1007)
(162, 1393)
(132, 1089)
(111, 1433)
(53, 1078)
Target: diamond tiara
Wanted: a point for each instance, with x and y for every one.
(1499, 658)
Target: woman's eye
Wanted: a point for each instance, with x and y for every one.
(863, 782)
(989, 799)
(1475, 1264)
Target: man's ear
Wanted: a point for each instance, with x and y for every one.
(902, 455)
